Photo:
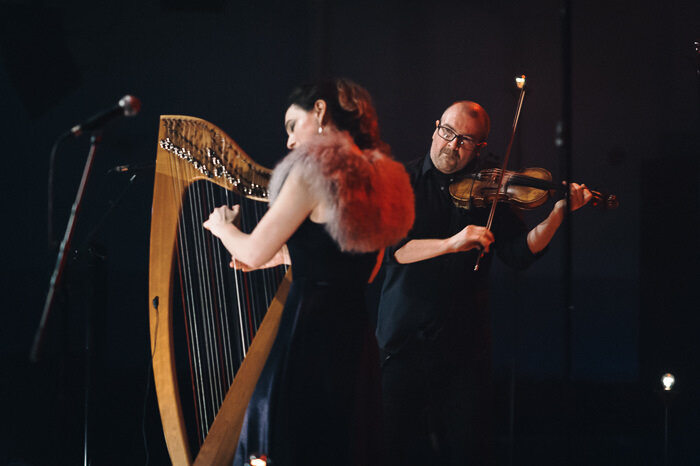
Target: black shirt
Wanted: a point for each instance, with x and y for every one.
(444, 296)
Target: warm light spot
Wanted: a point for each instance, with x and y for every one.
(256, 460)
(668, 380)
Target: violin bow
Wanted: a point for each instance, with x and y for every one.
(520, 83)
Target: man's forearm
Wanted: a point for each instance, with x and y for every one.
(421, 249)
(539, 237)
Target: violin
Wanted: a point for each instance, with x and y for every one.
(530, 187)
(525, 189)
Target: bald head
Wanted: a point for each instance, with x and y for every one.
(472, 110)
(462, 121)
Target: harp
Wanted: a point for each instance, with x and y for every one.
(198, 166)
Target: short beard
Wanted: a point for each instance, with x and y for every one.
(447, 160)
(451, 152)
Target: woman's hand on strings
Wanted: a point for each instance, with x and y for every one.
(221, 217)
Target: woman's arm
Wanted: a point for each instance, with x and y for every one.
(281, 257)
(293, 204)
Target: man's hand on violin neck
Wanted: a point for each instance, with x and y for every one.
(579, 194)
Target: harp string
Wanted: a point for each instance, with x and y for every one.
(222, 307)
(205, 281)
(182, 256)
(208, 309)
(223, 330)
(189, 304)
(211, 306)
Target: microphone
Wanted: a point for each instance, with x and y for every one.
(127, 106)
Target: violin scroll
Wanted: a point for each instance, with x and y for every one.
(604, 201)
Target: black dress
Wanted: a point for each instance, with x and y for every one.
(317, 399)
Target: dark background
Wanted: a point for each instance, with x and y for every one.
(577, 384)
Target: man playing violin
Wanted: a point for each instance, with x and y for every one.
(433, 326)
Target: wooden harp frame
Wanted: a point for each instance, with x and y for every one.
(206, 152)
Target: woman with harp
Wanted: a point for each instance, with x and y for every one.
(336, 200)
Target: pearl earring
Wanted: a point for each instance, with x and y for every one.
(320, 129)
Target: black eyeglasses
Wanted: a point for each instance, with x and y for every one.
(448, 134)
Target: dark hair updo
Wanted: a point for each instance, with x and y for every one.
(349, 106)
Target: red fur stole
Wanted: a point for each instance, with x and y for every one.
(368, 193)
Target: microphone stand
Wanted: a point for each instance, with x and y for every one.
(59, 269)
(697, 61)
(563, 142)
(61, 258)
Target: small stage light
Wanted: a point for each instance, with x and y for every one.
(257, 460)
(668, 380)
